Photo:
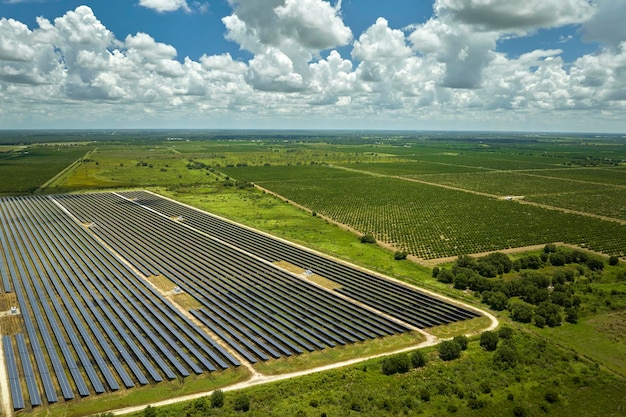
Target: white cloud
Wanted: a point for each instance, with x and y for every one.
(607, 24)
(162, 6)
(444, 73)
(515, 16)
(285, 36)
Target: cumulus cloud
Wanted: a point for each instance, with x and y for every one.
(446, 70)
(607, 24)
(277, 31)
(515, 16)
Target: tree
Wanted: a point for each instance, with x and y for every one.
(496, 300)
(549, 248)
(217, 399)
(613, 260)
(400, 255)
(418, 359)
(449, 350)
(505, 332)
(595, 264)
(435, 272)
(551, 313)
(489, 341)
(505, 356)
(571, 315)
(396, 364)
(521, 311)
(446, 276)
(241, 403)
(462, 341)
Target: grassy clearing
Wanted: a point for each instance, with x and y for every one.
(601, 337)
(142, 395)
(162, 283)
(465, 327)
(340, 354)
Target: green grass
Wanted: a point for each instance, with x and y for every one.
(473, 386)
(30, 167)
(601, 337)
(142, 395)
(340, 354)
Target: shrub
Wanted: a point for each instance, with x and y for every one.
(462, 341)
(149, 411)
(217, 399)
(505, 356)
(400, 255)
(368, 238)
(521, 311)
(549, 248)
(552, 397)
(505, 332)
(396, 364)
(241, 403)
(449, 350)
(489, 341)
(613, 260)
(418, 359)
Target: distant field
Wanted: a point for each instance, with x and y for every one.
(26, 169)
(429, 221)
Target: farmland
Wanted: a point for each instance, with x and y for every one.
(209, 295)
(91, 301)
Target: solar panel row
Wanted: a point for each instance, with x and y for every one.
(280, 319)
(14, 377)
(406, 303)
(73, 286)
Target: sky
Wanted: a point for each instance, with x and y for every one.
(501, 65)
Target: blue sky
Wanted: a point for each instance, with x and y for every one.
(554, 65)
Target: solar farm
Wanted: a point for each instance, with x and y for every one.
(86, 317)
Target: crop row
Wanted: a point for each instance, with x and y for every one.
(432, 222)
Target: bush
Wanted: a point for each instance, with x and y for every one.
(613, 260)
(368, 238)
(149, 411)
(505, 356)
(462, 341)
(445, 276)
(505, 332)
(217, 399)
(241, 403)
(489, 341)
(400, 255)
(418, 359)
(396, 364)
(549, 248)
(552, 397)
(571, 315)
(449, 350)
